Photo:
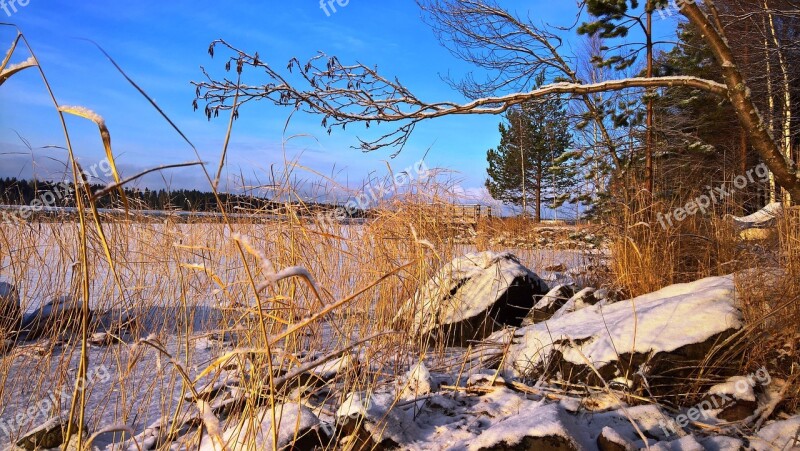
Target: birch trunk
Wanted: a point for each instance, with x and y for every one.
(787, 93)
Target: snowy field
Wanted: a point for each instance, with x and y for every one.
(180, 281)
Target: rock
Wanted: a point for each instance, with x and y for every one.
(582, 299)
(10, 310)
(415, 383)
(48, 435)
(675, 328)
(547, 443)
(541, 429)
(59, 317)
(471, 297)
(687, 443)
(549, 304)
(298, 429)
(368, 422)
(735, 399)
(609, 440)
(783, 435)
(764, 218)
(116, 323)
(721, 443)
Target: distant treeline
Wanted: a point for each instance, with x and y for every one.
(25, 192)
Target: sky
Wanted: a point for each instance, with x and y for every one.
(162, 46)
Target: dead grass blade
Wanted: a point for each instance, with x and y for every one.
(106, 137)
(16, 68)
(10, 52)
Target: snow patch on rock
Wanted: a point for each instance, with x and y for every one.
(663, 321)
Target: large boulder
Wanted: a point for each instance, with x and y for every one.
(10, 311)
(471, 297)
(60, 317)
(660, 332)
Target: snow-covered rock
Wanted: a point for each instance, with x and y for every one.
(48, 435)
(675, 325)
(471, 297)
(62, 315)
(10, 312)
(539, 428)
(783, 435)
(580, 300)
(329, 370)
(549, 304)
(371, 422)
(736, 398)
(298, 427)
(763, 218)
(415, 383)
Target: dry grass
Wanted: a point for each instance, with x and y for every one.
(189, 282)
(647, 257)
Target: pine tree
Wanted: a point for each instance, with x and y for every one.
(534, 141)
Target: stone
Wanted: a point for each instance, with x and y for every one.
(59, 317)
(299, 429)
(673, 329)
(547, 443)
(10, 310)
(609, 440)
(549, 304)
(472, 297)
(48, 435)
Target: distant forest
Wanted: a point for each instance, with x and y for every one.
(24, 192)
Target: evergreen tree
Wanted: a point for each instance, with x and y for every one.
(532, 163)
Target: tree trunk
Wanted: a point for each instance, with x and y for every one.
(773, 188)
(761, 139)
(787, 92)
(649, 172)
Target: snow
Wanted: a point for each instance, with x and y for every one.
(721, 443)
(330, 369)
(575, 303)
(415, 383)
(538, 421)
(762, 218)
(783, 435)
(688, 443)
(738, 387)
(257, 433)
(553, 297)
(463, 289)
(664, 321)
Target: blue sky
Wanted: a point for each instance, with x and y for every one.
(162, 45)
